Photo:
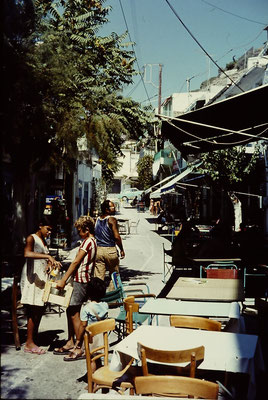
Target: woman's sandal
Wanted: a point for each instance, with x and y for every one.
(61, 351)
(35, 350)
(75, 356)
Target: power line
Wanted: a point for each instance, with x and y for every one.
(134, 51)
(235, 15)
(199, 44)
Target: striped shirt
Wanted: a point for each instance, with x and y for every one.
(83, 273)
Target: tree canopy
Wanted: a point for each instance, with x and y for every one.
(144, 167)
(64, 81)
(229, 166)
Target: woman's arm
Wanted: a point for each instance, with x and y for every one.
(30, 253)
(72, 268)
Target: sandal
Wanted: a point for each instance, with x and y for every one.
(75, 356)
(60, 351)
(35, 350)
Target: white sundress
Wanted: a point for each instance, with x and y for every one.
(34, 276)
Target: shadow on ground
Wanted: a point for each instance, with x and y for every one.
(127, 274)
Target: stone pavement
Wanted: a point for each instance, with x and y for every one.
(26, 376)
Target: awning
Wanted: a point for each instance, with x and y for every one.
(231, 122)
(150, 189)
(171, 184)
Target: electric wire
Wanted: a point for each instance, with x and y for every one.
(123, 13)
(134, 88)
(199, 44)
(213, 142)
(235, 15)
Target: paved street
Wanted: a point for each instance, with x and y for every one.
(26, 376)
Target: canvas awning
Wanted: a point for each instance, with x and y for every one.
(235, 121)
(171, 184)
(150, 189)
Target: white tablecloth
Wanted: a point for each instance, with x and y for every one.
(196, 308)
(224, 351)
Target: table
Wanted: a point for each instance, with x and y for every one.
(224, 351)
(205, 289)
(195, 308)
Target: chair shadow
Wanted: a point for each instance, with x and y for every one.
(127, 274)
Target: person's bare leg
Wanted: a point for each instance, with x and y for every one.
(34, 317)
(71, 331)
(75, 317)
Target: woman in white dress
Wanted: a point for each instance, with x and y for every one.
(33, 278)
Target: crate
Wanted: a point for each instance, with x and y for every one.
(60, 297)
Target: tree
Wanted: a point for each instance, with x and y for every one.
(62, 82)
(144, 168)
(226, 168)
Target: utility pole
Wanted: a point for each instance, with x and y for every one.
(160, 88)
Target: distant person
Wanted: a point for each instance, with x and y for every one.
(37, 267)
(134, 201)
(108, 237)
(80, 270)
(93, 310)
(151, 208)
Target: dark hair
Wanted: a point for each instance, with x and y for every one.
(105, 206)
(96, 289)
(45, 220)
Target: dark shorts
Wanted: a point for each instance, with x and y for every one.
(79, 294)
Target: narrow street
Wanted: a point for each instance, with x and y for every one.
(26, 376)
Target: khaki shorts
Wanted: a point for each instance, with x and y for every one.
(106, 260)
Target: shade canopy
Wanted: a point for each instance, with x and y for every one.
(235, 121)
(171, 184)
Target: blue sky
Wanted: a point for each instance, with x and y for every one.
(160, 38)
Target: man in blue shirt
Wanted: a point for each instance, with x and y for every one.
(107, 237)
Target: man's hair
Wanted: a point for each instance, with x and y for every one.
(96, 289)
(84, 223)
(105, 206)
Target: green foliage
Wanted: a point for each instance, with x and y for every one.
(63, 81)
(228, 167)
(144, 168)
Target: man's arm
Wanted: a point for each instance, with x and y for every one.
(113, 225)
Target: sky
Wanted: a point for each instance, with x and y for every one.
(223, 28)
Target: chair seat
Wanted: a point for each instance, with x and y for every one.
(137, 317)
(105, 376)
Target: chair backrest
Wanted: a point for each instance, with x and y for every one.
(176, 385)
(222, 270)
(171, 357)
(114, 297)
(185, 321)
(130, 307)
(222, 273)
(102, 351)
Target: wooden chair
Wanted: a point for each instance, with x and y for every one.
(140, 291)
(175, 386)
(131, 319)
(102, 377)
(170, 357)
(182, 321)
